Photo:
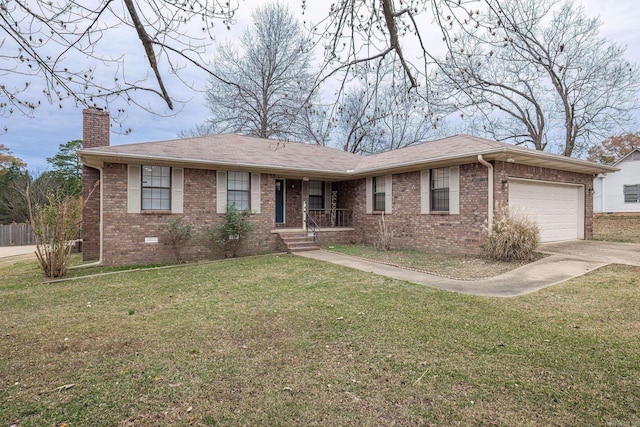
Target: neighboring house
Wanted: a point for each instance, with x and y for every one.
(435, 196)
(619, 191)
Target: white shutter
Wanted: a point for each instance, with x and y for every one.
(454, 190)
(425, 191)
(133, 189)
(369, 196)
(255, 193)
(388, 198)
(177, 190)
(327, 196)
(221, 192)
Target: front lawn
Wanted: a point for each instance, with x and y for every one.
(617, 228)
(454, 266)
(285, 340)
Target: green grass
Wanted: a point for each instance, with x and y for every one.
(456, 266)
(284, 340)
(617, 228)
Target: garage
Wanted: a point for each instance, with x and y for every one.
(558, 208)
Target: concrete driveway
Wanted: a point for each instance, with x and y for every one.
(9, 251)
(608, 252)
(566, 260)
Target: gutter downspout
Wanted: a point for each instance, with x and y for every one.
(602, 193)
(99, 262)
(490, 190)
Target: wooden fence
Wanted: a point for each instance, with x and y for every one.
(16, 235)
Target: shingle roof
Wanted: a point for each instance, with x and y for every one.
(230, 150)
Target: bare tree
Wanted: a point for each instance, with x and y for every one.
(50, 42)
(534, 67)
(66, 46)
(264, 83)
(379, 112)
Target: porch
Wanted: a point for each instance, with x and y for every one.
(300, 239)
(323, 204)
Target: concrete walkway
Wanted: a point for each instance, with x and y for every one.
(566, 260)
(9, 251)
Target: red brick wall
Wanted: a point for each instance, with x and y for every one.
(124, 240)
(95, 133)
(293, 203)
(443, 232)
(430, 232)
(125, 233)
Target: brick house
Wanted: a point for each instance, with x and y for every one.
(435, 196)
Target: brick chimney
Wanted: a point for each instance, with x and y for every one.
(95, 128)
(95, 133)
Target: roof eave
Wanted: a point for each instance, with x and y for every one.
(98, 159)
(506, 154)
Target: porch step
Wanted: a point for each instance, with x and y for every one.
(297, 242)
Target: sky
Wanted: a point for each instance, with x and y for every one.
(35, 139)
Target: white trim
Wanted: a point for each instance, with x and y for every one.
(255, 192)
(221, 192)
(388, 194)
(369, 195)
(454, 190)
(425, 191)
(133, 189)
(177, 190)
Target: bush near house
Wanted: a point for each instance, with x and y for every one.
(513, 237)
(232, 233)
(177, 235)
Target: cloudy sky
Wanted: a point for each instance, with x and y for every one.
(35, 139)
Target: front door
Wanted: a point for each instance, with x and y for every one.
(279, 201)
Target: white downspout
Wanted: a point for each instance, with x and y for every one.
(602, 193)
(99, 262)
(490, 191)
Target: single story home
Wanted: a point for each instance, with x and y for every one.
(619, 191)
(436, 196)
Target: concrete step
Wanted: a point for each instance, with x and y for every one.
(304, 248)
(296, 242)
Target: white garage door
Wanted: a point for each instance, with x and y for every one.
(558, 208)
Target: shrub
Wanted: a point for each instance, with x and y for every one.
(385, 235)
(232, 233)
(514, 237)
(177, 235)
(55, 225)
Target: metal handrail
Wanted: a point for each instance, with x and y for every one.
(312, 225)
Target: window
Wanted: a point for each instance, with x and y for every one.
(440, 190)
(316, 195)
(632, 193)
(239, 190)
(156, 188)
(379, 185)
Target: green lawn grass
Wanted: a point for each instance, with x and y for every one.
(284, 340)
